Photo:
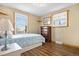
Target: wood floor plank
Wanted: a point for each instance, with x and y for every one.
(52, 49)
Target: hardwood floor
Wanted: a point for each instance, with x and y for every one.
(52, 49)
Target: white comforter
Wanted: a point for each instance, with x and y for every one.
(24, 35)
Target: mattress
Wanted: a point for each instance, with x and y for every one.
(24, 39)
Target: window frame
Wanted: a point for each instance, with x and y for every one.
(26, 25)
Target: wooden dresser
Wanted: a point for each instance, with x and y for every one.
(46, 33)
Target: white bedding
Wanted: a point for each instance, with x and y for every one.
(24, 35)
(25, 39)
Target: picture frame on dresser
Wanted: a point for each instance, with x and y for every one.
(46, 20)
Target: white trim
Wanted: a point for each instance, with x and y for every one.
(58, 42)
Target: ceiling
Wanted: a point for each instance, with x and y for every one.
(39, 9)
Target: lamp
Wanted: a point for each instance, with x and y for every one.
(39, 21)
(5, 27)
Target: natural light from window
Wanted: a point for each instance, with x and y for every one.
(21, 23)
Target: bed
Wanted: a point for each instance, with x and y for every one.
(26, 41)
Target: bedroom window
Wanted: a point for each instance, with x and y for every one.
(21, 23)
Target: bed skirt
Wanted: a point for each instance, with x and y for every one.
(19, 52)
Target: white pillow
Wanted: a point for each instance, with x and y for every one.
(1, 34)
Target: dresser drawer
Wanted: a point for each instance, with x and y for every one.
(46, 32)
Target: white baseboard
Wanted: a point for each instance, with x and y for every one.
(58, 42)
